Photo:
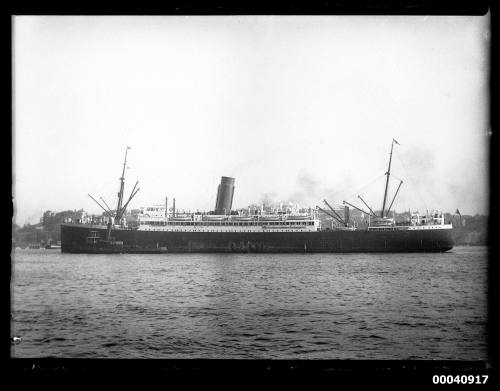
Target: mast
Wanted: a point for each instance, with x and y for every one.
(388, 173)
(122, 185)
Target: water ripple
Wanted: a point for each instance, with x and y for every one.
(323, 306)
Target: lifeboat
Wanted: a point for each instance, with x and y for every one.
(180, 218)
(241, 218)
(270, 217)
(298, 217)
(214, 217)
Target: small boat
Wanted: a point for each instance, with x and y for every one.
(52, 247)
(241, 218)
(270, 217)
(214, 217)
(180, 218)
(297, 217)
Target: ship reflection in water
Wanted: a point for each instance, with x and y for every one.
(283, 306)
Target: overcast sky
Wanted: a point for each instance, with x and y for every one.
(296, 108)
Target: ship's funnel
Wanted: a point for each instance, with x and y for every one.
(225, 193)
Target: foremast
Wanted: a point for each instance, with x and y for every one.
(116, 216)
(122, 186)
(121, 208)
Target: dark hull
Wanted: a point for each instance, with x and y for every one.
(73, 240)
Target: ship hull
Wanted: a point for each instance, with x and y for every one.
(74, 240)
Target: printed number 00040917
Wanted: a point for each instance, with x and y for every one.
(459, 379)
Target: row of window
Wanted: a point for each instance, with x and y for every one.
(214, 229)
(403, 228)
(212, 223)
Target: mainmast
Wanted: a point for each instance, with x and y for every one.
(388, 174)
(122, 185)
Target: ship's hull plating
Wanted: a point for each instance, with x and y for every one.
(74, 240)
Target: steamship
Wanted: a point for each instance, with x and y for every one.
(160, 230)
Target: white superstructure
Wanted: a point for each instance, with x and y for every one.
(189, 222)
(435, 220)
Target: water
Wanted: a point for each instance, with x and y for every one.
(304, 306)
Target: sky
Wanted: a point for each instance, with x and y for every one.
(296, 108)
